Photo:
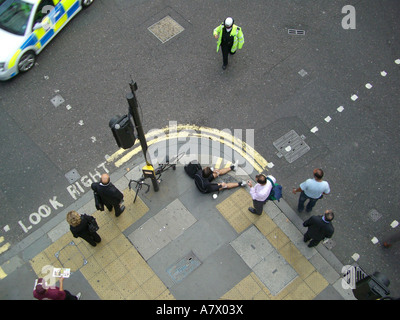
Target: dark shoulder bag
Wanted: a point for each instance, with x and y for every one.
(92, 224)
(97, 200)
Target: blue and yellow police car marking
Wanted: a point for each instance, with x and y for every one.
(56, 19)
(72, 9)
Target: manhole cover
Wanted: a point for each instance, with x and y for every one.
(70, 256)
(296, 32)
(72, 176)
(57, 100)
(183, 267)
(166, 29)
(329, 244)
(291, 146)
(374, 215)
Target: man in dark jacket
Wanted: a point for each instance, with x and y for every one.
(319, 228)
(109, 194)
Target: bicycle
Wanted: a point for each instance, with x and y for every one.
(158, 172)
(168, 164)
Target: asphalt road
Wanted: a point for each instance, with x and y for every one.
(276, 83)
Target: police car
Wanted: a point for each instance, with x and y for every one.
(27, 26)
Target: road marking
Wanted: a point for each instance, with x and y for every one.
(383, 73)
(5, 247)
(185, 131)
(314, 130)
(228, 164)
(368, 86)
(394, 224)
(2, 273)
(340, 109)
(354, 97)
(374, 240)
(355, 256)
(218, 163)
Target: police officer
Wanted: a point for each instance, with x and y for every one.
(230, 38)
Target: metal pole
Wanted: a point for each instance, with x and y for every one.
(134, 111)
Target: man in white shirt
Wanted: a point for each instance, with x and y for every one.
(312, 189)
(260, 192)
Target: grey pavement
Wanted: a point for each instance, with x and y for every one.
(197, 256)
(278, 82)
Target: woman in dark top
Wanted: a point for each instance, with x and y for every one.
(79, 226)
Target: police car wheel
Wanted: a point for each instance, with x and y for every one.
(27, 61)
(86, 3)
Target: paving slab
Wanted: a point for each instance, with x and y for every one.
(175, 219)
(275, 272)
(217, 275)
(270, 267)
(252, 246)
(161, 229)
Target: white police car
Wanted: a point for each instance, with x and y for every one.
(27, 26)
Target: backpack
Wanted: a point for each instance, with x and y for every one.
(276, 191)
(191, 168)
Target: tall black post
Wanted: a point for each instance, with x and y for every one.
(134, 111)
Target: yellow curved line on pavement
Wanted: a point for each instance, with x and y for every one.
(181, 131)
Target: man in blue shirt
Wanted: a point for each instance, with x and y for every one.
(312, 189)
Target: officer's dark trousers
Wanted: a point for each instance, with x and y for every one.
(226, 50)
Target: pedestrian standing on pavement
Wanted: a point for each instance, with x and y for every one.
(44, 292)
(80, 227)
(312, 189)
(109, 194)
(260, 192)
(230, 38)
(319, 228)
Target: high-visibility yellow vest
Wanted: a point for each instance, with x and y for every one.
(236, 32)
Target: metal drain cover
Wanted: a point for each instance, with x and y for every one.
(329, 244)
(374, 215)
(166, 29)
(72, 175)
(296, 32)
(57, 100)
(291, 146)
(183, 267)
